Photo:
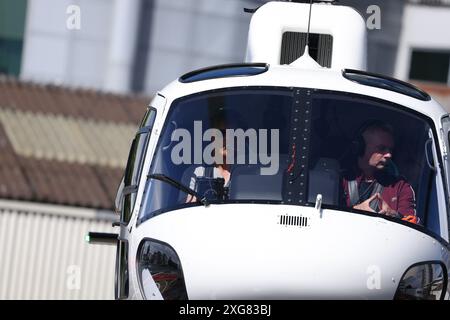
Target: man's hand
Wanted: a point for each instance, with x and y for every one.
(382, 205)
(386, 209)
(365, 206)
(191, 198)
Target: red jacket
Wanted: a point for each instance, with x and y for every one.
(397, 192)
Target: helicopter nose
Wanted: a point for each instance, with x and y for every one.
(245, 254)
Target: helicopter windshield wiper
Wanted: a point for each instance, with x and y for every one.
(179, 186)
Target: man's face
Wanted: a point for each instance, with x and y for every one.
(379, 147)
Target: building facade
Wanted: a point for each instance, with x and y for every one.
(130, 45)
(62, 153)
(141, 45)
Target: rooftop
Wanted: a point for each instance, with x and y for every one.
(64, 146)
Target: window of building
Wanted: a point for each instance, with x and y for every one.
(12, 25)
(431, 66)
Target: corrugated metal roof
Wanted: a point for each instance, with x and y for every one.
(66, 183)
(50, 137)
(68, 102)
(12, 179)
(64, 146)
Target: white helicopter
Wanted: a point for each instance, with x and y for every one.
(265, 219)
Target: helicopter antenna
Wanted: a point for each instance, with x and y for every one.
(309, 27)
(309, 19)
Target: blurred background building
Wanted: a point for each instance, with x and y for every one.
(75, 78)
(62, 155)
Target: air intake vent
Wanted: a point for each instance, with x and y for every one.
(298, 221)
(320, 47)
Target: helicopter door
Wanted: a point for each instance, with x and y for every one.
(126, 198)
(445, 134)
(127, 191)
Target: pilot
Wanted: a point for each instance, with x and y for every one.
(373, 184)
(220, 171)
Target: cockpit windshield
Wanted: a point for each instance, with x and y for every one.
(288, 145)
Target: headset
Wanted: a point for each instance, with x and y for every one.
(358, 144)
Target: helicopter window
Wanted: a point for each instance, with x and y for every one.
(253, 125)
(149, 118)
(224, 71)
(134, 165)
(342, 126)
(383, 82)
(432, 211)
(295, 144)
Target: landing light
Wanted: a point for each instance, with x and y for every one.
(161, 262)
(425, 281)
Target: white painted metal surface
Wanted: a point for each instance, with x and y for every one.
(320, 78)
(242, 251)
(274, 18)
(226, 237)
(44, 254)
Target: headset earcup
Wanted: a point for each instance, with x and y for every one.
(361, 145)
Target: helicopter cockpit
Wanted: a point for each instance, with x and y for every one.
(280, 152)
